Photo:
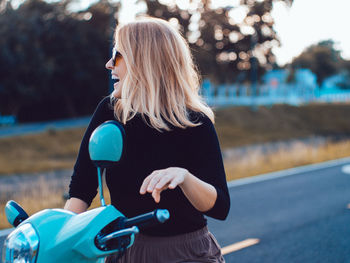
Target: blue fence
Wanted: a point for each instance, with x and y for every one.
(7, 120)
(267, 94)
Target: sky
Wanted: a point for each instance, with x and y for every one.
(305, 23)
(308, 22)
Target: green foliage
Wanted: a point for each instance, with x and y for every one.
(323, 59)
(224, 49)
(346, 72)
(52, 61)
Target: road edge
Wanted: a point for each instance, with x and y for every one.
(287, 172)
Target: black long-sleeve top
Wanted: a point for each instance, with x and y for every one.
(146, 149)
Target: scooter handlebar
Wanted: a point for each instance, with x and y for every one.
(124, 232)
(155, 217)
(115, 235)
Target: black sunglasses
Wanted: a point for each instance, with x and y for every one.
(116, 56)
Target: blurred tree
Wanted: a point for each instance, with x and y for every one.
(51, 58)
(323, 59)
(224, 45)
(345, 70)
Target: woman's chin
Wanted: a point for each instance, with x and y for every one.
(116, 92)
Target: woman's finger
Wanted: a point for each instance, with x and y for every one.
(164, 180)
(156, 196)
(155, 179)
(156, 193)
(146, 182)
(144, 185)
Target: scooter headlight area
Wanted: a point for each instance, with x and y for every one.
(21, 246)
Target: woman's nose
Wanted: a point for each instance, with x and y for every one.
(109, 64)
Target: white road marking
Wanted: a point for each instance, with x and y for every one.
(239, 245)
(346, 169)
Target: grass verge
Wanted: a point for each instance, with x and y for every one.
(253, 163)
(298, 154)
(52, 150)
(236, 126)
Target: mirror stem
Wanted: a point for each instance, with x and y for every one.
(99, 173)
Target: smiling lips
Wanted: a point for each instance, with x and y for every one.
(115, 78)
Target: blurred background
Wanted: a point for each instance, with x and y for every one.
(248, 52)
(276, 72)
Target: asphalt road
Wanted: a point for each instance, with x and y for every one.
(298, 215)
(303, 217)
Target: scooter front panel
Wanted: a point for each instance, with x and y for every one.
(69, 237)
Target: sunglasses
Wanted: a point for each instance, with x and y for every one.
(116, 56)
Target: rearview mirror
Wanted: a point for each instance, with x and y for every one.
(106, 144)
(15, 213)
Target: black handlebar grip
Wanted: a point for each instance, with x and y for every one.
(151, 218)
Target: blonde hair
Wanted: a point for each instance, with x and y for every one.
(161, 79)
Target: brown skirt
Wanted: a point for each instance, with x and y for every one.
(198, 246)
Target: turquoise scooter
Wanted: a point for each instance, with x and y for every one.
(58, 235)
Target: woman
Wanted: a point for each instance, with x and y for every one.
(172, 155)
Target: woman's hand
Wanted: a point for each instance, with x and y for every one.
(160, 180)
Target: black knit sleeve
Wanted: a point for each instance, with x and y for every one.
(84, 183)
(207, 165)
